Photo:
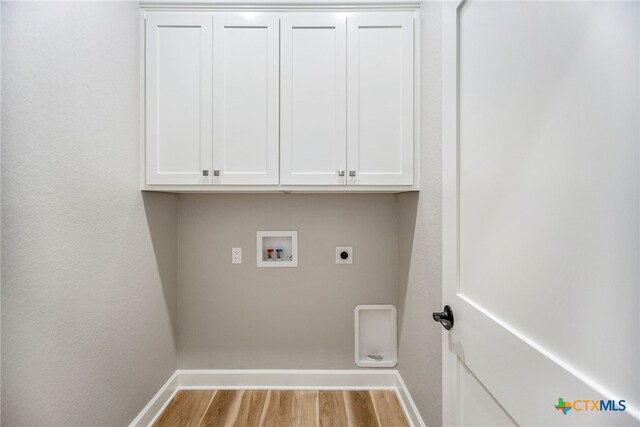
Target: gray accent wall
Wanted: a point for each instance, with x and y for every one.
(420, 238)
(242, 316)
(88, 263)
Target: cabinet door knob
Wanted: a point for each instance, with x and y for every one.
(352, 173)
(205, 172)
(216, 172)
(341, 172)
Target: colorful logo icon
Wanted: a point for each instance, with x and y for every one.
(581, 405)
(563, 406)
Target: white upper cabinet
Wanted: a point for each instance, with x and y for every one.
(380, 99)
(313, 144)
(279, 100)
(245, 99)
(178, 98)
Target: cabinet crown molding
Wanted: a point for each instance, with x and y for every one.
(278, 5)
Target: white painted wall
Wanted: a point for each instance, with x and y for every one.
(420, 238)
(89, 266)
(241, 316)
(88, 263)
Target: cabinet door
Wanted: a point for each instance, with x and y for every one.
(313, 100)
(245, 99)
(380, 99)
(178, 129)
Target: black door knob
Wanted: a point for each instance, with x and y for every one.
(444, 317)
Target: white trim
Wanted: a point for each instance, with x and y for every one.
(278, 6)
(279, 379)
(142, 44)
(287, 379)
(157, 403)
(279, 188)
(416, 99)
(450, 368)
(408, 405)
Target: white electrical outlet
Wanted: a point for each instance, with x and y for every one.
(344, 255)
(236, 255)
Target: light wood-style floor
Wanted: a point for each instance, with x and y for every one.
(283, 408)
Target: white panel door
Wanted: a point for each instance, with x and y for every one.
(380, 98)
(245, 99)
(178, 98)
(541, 238)
(313, 100)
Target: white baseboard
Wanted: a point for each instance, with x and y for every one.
(279, 379)
(158, 402)
(408, 405)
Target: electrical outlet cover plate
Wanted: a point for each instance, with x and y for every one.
(340, 250)
(236, 255)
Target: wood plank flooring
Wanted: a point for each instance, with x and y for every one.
(283, 408)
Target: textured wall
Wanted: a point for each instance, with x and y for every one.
(89, 319)
(88, 263)
(420, 238)
(241, 316)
